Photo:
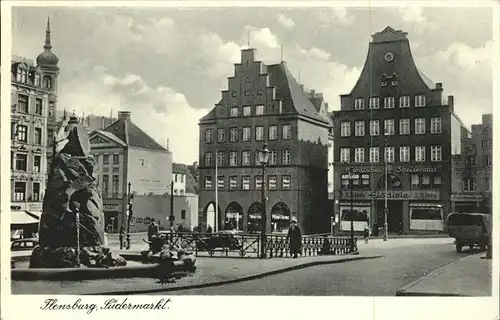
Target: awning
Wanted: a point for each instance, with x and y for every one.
(23, 218)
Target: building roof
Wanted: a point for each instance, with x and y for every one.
(191, 183)
(125, 130)
(111, 137)
(179, 168)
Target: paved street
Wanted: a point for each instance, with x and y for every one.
(404, 261)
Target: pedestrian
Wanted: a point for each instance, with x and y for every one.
(295, 237)
(209, 229)
(367, 233)
(122, 237)
(152, 229)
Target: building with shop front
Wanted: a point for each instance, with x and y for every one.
(395, 127)
(33, 108)
(472, 179)
(125, 154)
(264, 104)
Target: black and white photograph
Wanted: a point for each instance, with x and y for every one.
(256, 149)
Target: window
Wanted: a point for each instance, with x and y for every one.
(22, 133)
(259, 133)
(426, 181)
(209, 135)
(245, 158)
(258, 182)
(273, 157)
(344, 155)
(436, 125)
(486, 144)
(47, 82)
(374, 154)
(37, 80)
(419, 153)
(208, 159)
(38, 107)
(114, 186)
(374, 127)
(245, 182)
(273, 132)
(389, 127)
(437, 180)
(389, 102)
(420, 101)
(182, 178)
(389, 154)
(246, 134)
(374, 103)
(37, 164)
(359, 104)
(233, 182)
(247, 111)
(404, 126)
(286, 182)
(220, 158)
(233, 134)
(20, 191)
(257, 163)
(272, 182)
(259, 110)
(359, 155)
(487, 184)
(470, 161)
(234, 112)
(286, 132)
(38, 135)
(345, 129)
(419, 125)
(415, 181)
(404, 101)
(36, 191)
(233, 159)
(221, 135)
(175, 177)
(436, 153)
(208, 182)
(487, 160)
(21, 162)
(116, 159)
(468, 184)
(365, 180)
(286, 157)
(359, 128)
(22, 103)
(183, 214)
(105, 183)
(220, 182)
(404, 154)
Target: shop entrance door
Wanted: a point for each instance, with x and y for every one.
(394, 216)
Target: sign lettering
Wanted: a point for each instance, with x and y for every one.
(415, 170)
(110, 207)
(392, 195)
(466, 197)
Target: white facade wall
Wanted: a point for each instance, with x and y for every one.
(149, 171)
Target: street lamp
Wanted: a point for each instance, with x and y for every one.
(171, 218)
(351, 215)
(386, 232)
(129, 214)
(263, 159)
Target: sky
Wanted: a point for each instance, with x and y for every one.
(167, 66)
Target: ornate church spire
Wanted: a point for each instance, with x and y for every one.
(47, 45)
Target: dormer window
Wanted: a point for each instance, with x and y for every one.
(374, 103)
(359, 104)
(383, 83)
(37, 80)
(394, 83)
(383, 80)
(420, 101)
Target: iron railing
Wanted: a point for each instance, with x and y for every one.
(248, 245)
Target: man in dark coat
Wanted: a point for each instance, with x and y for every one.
(153, 229)
(295, 237)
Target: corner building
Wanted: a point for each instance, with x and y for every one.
(395, 115)
(264, 103)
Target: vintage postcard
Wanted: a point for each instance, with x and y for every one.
(292, 159)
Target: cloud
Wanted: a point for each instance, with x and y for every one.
(338, 16)
(285, 21)
(263, 36)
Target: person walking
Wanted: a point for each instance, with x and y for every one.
(152, 229)
(295, 237)
(367, 233)
(209, 229)
(122, 237)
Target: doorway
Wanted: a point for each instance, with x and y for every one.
(394, 216)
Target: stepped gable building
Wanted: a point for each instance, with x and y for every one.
(124, 153)
(33, 109)
(264, 103)
(472, 179)
(395, 114)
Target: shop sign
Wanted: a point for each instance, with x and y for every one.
(392, 195)
(110, 207)
(37, 206)
(415, 169)
(467, 197)
(364, 170)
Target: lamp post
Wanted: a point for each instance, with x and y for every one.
(386, 232)
(351, 215)
(263, 159)
(171, 218)
(129, 214)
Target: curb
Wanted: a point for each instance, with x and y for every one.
(241, 279)
(403, 291)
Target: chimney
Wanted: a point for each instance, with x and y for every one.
(302, 87)
(439, 86)
(313, 93)
(450, 103)
(195, 165)
(102, 123)
(124, 115)
(247, 55)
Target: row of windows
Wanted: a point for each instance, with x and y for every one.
(418, 181)
(176, 177)
(389, 102)
(470, 161)
(245, 182)
(246, 158)
(389, 127)
(487, 144)
(23, 105)
(106, 158)
(115, 184)
(24, 76)
(469, 184)
(20, 133)
(19, 162)
(389, 154)
(20, 192)
(247, 111)
(234, 135)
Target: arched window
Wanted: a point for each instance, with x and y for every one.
(47, 82)
(37, 80)
(24, 76)
(18, 75)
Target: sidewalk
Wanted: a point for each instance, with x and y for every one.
(209, 272)
(469, 276)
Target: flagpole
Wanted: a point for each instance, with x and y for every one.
(216, 194)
